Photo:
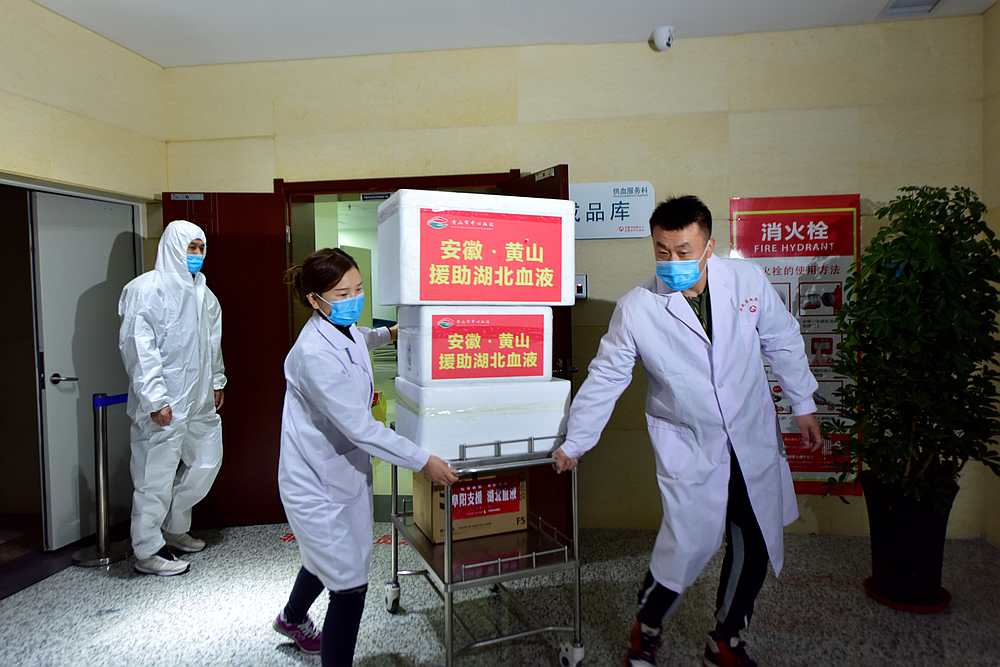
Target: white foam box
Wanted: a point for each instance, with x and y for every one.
(459, 248)
(447, 344)
(442, 417)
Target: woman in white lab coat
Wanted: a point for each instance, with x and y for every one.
(328, 436)
(703, 329)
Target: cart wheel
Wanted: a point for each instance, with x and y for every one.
(392, 598)
(571, 656)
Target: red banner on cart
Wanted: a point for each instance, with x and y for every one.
(474, 256)
(487, 346)
(498, 495)
(807, 246)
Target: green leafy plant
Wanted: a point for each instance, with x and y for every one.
(919, 328)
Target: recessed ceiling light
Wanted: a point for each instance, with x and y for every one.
(897, 8)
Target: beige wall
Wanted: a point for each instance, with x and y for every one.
(846, 109)
(991, 194)
(859, 109)
(76, 108)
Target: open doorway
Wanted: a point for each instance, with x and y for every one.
(344, 214)
(67, 257)
(349, 221)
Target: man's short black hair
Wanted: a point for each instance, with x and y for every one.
(679, 212)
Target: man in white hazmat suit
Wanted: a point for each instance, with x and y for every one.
(703, 328)
(170, 341)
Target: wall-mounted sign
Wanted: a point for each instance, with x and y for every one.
(807, 247)
(612, 210)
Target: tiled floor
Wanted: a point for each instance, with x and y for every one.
(220, 613)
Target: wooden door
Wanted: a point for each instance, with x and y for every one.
(551, 183)
(547, 492)
(245, 267)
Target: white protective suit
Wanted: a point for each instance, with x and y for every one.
(328, 435)
(170, 341)
(702, 396)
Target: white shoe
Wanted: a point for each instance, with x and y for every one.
(184, 542)
(161, 566)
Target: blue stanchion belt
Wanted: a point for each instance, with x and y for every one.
(105, 401)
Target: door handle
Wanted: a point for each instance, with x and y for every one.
(56, 379)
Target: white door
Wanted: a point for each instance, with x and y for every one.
(85, 253)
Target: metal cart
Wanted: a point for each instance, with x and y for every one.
(548, 551)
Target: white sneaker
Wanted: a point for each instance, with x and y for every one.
(162, 564)
(184, 542)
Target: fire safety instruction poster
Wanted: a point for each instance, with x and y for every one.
(807, 246)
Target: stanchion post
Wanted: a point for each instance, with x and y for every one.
(103, 553)
(101, 474)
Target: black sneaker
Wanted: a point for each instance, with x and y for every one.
(644, 642)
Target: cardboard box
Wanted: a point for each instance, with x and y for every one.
(458, 248)
(488, 505)
(443, 417)
(447, 344)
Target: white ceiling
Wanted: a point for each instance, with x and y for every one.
(198, 32)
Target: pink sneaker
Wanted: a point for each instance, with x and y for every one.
(305, 635)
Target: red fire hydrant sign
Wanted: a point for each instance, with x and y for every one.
(487, 346)
(475, 256)
(807, 246)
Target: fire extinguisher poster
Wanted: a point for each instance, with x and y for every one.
(807, 246)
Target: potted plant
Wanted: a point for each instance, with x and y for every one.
(919, 329)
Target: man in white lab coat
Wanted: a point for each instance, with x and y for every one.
(703, 329)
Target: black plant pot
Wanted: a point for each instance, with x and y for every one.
(907, 539)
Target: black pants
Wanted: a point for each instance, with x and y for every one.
(343, 616)
(744, 568)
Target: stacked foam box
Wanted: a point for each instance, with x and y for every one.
(457, 345)
(473, 277)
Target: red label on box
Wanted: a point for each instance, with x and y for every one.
(473, 256)
(500, 495)
(487, 346)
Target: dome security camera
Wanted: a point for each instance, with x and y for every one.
(662, 38)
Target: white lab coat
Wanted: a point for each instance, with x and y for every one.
(171, 344)
(702, 396)
(328, 435)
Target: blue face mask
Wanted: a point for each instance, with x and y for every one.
(680, 274)
(345, 313)
(194, 263)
